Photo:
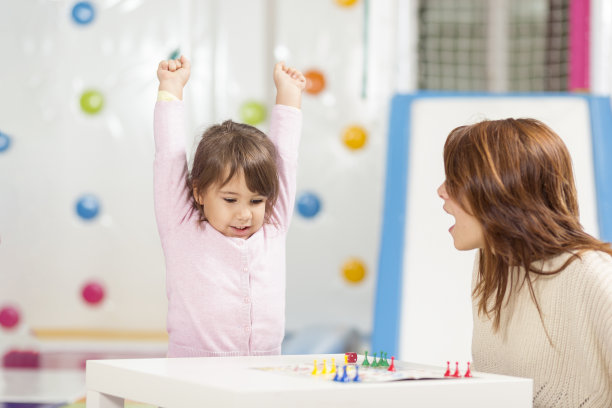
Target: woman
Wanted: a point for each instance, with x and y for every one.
(542, 287)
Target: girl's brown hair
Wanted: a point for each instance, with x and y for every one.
(515, 176)
(227, 149)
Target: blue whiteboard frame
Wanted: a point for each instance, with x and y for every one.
(385, 334)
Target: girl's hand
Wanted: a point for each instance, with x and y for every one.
(290, 83)
(173, 75)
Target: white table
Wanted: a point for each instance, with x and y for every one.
(231, 382)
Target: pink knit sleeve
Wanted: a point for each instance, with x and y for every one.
(285, 131)
(171, 194)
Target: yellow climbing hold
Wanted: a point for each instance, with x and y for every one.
(354, 137)
(353, 270)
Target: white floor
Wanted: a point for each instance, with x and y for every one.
(60, 378)
(41, 386)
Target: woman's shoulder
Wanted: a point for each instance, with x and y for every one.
(597, 260)
(589, 268)
(588, 259)
(594, 269)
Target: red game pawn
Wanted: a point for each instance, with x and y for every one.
(447, 373)
(456, 373)
(392, 366)
(468, 373)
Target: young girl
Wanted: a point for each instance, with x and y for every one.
(542, 287)
(223, 227)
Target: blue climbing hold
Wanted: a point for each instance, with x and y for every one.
(5, 142)
(308, 205)
(83, 13)
(88, 207)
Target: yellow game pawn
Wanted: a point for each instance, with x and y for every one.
(324, 371)
(345, 359)
(314, 370)
(333, 367)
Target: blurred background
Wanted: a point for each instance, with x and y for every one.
(81, 266)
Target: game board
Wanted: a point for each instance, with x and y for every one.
(358, 372)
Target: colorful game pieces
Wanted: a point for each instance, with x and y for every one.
(344, 377)
(468, 373)
(351, 357)
(384, 363)
(337, 376)
(456, 373)
(392, 366)
(333, 366)
(356, 378)
(324, 371)
(374, 363)
(314, 370)
(365, 359)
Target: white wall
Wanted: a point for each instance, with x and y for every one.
(58, 153)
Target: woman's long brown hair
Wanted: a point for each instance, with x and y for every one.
(515, 176)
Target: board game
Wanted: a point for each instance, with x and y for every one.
(358, 368)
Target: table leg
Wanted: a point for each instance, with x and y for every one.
(98, 400)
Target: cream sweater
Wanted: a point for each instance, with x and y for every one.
(576, 306)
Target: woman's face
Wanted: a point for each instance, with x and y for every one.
(467, 232)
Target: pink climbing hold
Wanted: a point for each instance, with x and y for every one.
(93, 293)
(9, 317)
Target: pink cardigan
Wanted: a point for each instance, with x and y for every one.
(226, 296)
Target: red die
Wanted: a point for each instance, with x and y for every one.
(351, 357)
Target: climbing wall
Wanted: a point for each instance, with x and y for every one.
(79, 250)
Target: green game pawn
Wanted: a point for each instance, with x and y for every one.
(365, 360)
(384, 363)
(381, 360)
(374, 363)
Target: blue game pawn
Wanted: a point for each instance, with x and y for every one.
(357, 379)
(344, 376)
(337, 376)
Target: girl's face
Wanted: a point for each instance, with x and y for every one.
(233, 209)
(467, 232)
